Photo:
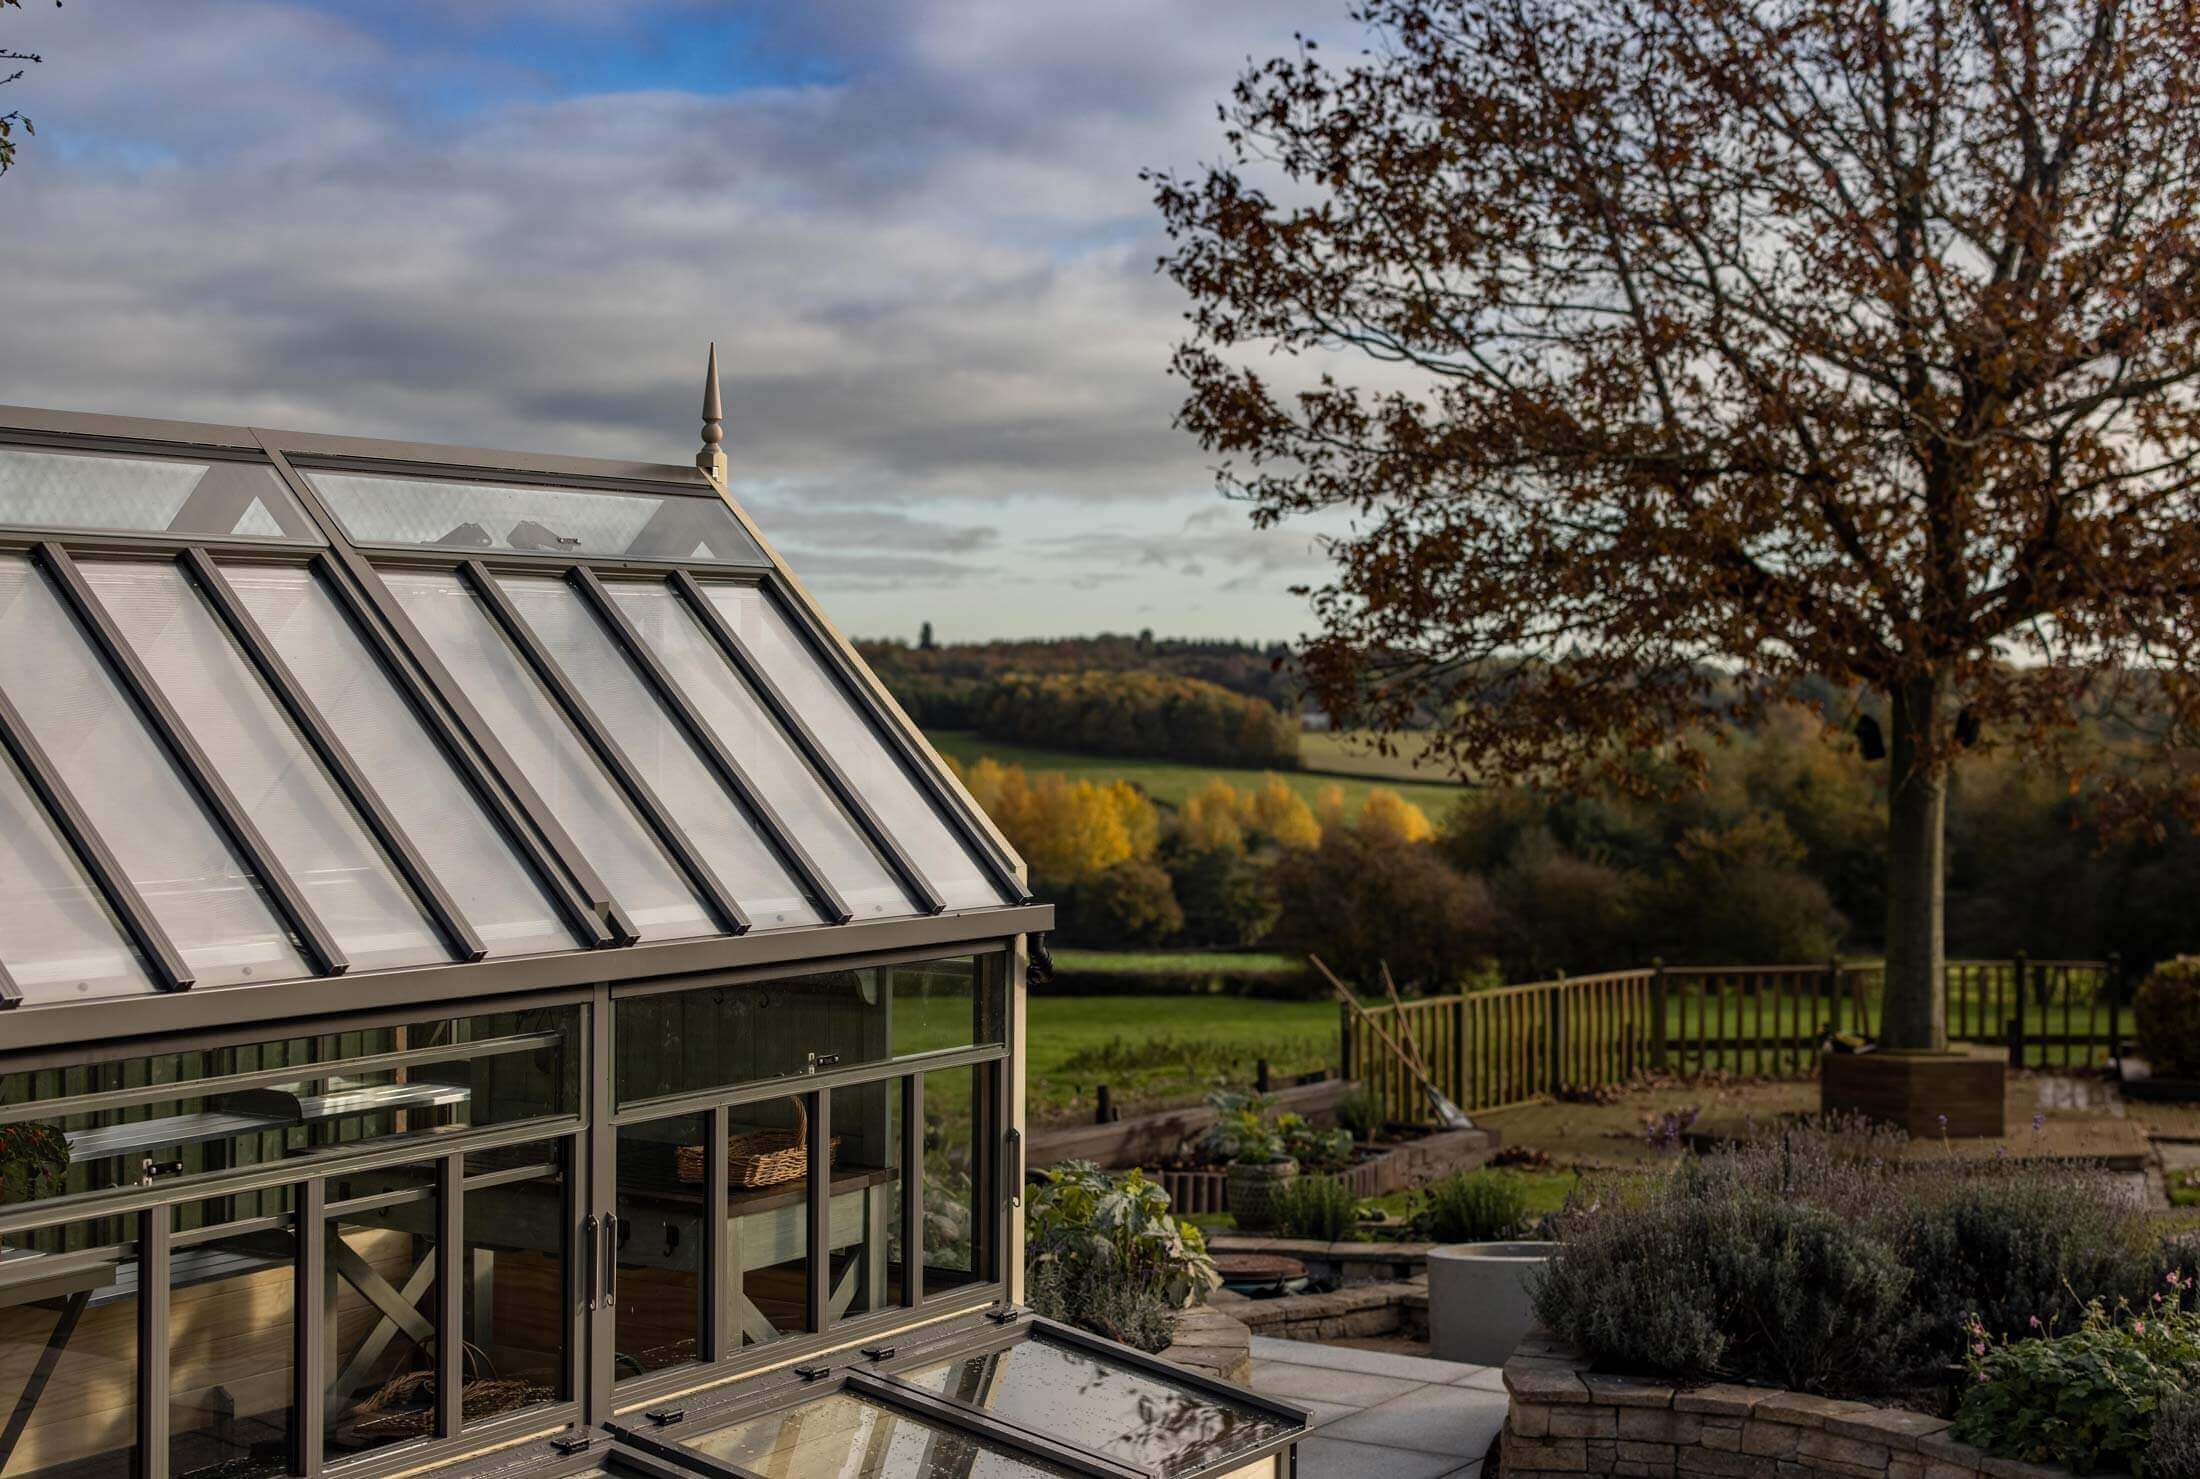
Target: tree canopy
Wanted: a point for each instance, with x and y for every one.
(1672, 356)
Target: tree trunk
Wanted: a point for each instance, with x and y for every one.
(1913, 1013)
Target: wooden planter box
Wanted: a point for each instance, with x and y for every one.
(1959, 1093)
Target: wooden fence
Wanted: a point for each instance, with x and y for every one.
(1514, 1044)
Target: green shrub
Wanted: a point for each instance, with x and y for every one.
(1134, 1314)
(2085, 1399)
(1316, 1207)
(1817, 1257)
(1747, 1283)
(1315, 1150)
(1471, 1207)
(1129, 903)
(1361, 1115)
(2167, 1012)
(1096, 1228)
(2173, 1452)
(1226, 898)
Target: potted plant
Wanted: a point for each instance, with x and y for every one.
(1256, 1164)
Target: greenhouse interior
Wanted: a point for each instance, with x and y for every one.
(489, 982)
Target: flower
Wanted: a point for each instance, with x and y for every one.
(2035, 1322)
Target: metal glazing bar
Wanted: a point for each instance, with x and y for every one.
(805, 740)
(655, 814)
(155, 1226)
(199, 771)
(309, 1330)
(820, 1223)
(170, 971)
(912, 1207)
(721, 1337)
(10, 993)
(442, 908)
(730, 771)
(435, 697)
(912, 1190)
(450, 1295)
(487, 770)
(944, 800)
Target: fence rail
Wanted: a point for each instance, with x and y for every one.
(1514, 1044)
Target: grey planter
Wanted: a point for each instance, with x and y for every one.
(1478, 1303)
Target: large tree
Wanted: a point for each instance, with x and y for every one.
(12, 119)
(1665, 355)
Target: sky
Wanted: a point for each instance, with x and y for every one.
(915, 229)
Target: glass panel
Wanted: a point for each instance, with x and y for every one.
(58, 938)
(517, 1306)
(210, 904)
(1124, 1413)
(654, 745)
(768, 1216)
(867, 1266)
(266, 764)
(661, 1245)
(958, 1235)
(552, 756)
(742, 725)
(154, 495)
(68, 1358)
(723, 1036)
(381, 1306)
(230, 1348)
(849, 738)
(521, 1066)
(850, 1437)
(471, 859)
(558, 521)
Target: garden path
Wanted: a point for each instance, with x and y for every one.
(1375, 1413)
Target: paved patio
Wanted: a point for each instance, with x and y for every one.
(1378, 1414)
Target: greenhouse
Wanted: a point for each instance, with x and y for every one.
(492, 983)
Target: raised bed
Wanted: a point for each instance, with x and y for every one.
(1340, 1264)
(1407, 1164)
(1150, 1138)
(1565, 1420)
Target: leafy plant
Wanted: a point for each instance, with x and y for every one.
(1134, 1314)
(1471, 1207)
(2166, 1009)
(1314, 1149)
(1320, 1207)
(1361, 1114)
(1100, 1226)
(2084, 1399)
(1244, 1134)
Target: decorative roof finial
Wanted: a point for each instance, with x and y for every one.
(712, 459)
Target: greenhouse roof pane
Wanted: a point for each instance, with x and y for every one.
(479, 517)
(56, 489)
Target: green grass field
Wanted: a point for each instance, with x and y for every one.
(1169, 782)
(1072, 962)
(1154, 1051)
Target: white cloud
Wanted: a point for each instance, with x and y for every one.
(931, 278)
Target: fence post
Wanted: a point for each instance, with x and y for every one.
(1103, 1109)
(1657, 1013)
(1459, 1049)
(2020, 966)
(2016, 1041)
(1556, 996)
(1344, 1041)
(1833, 997)
(1263, 1079)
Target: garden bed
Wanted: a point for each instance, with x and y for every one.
(1358, 1312)
(1400, 1166)
(1566, 1419)
(1336, 1265)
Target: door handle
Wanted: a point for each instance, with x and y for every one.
(611, 1260)
(588, 1226)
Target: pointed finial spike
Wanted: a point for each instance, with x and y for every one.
(712, 459)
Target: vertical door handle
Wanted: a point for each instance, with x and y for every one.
(611, 1260)
(588, 1226)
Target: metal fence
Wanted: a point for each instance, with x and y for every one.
(1514, 1044)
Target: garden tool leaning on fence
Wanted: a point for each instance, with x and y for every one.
(1449, 1115)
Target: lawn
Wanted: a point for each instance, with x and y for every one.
(1170, 782)
(1068, 962)
(1156, 1051)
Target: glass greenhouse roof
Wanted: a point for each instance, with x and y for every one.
(274, 708)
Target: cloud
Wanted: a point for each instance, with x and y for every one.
(915, 229)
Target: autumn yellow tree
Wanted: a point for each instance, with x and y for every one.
(1387, 815)
(1278, 811)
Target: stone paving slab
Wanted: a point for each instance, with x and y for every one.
(1342, 1388)
(1373, 1363)
(1334, 1458)
(1443, 1420)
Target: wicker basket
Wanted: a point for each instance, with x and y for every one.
(761, 1157)
(404, 1406)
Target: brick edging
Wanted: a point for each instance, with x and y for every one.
(1565, 1420)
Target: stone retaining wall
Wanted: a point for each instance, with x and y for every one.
(1209, 1340)
(1566, 1421)
(1356, 1312)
